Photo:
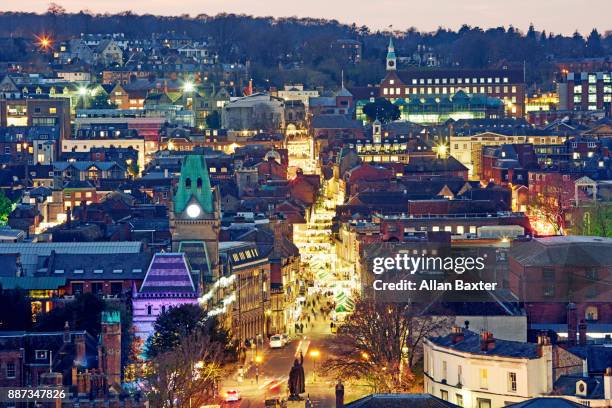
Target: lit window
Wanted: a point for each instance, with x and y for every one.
(484, 378)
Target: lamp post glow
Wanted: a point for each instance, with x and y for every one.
(188, 87)
(314, 354)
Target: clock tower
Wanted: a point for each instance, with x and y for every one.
(195, 219)
(391, 57)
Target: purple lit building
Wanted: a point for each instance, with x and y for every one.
(168, 283)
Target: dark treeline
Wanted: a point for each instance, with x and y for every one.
(268, 42)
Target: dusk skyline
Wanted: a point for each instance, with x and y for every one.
(400, 14)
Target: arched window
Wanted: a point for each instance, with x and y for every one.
(149, 309)
(591, 313)
(163, 309)
(199, 183)
(188, 183)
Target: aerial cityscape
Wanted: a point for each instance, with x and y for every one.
(229, 210)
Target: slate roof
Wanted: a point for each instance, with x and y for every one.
(566, 385)
(400, 401)
(430, 164)
(543, 402)
(100, 266)
(564, 251)
(33, 255)
(335, 122)
(168, 273)
(598, 357)
(64, 353)
(503, 348)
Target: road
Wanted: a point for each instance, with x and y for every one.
(273, 373)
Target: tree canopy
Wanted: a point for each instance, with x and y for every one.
(381, 109)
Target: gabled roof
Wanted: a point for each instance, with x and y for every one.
(168, 273)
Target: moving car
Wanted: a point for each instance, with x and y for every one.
(284, 339)
(276, 341)
(232, 395)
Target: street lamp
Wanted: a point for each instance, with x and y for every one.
(314, 354)
(188, 86)
(258, 360)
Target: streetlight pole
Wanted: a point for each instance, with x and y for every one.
(314, 354)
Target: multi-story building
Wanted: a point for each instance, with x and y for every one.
(586, 91)
(505, 84)
(480, 371)
(468, 149)
(29, 144)
(37, 112)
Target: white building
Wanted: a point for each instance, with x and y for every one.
(479, 371)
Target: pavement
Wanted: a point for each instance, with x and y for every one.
(269, 378)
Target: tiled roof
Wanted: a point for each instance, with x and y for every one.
(400, 401)
(100, 266)
(546, 403)
(34, 254)
(168, 273)
(335, 122)
(565, 251)
(503, 348)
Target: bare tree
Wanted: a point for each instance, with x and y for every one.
(551, 205)
(381, 342)
(187, 375)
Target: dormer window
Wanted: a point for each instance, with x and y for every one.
(188, 183)
(199, 183)
(581, 388)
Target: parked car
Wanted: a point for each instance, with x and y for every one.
(276, 341)
(232, 395)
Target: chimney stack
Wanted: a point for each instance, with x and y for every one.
(607, 379)
(457, 334)
(582, 333)
(572, 324)
(487, 341)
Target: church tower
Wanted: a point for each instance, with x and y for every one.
(195, 219)
(391, 58)
(377, 132)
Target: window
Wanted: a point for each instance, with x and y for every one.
(444, 395)
(97, 288)
(11, 371)
(444, 370)
(41, 354)
(548, 274)
(512, 382)
(459, 374)
(484, 378)
(77, 288)
(459, 399)
(149, 309)
(483, 403)
(116, 288)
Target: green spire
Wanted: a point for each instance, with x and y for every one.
(111, 317)
(391, 49)
(194, 183)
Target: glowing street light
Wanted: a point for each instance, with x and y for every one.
(82, 90)
(441, 150)
(314, 354)
(44, 42)
(188, 86)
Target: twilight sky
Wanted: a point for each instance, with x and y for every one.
(559, 16)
